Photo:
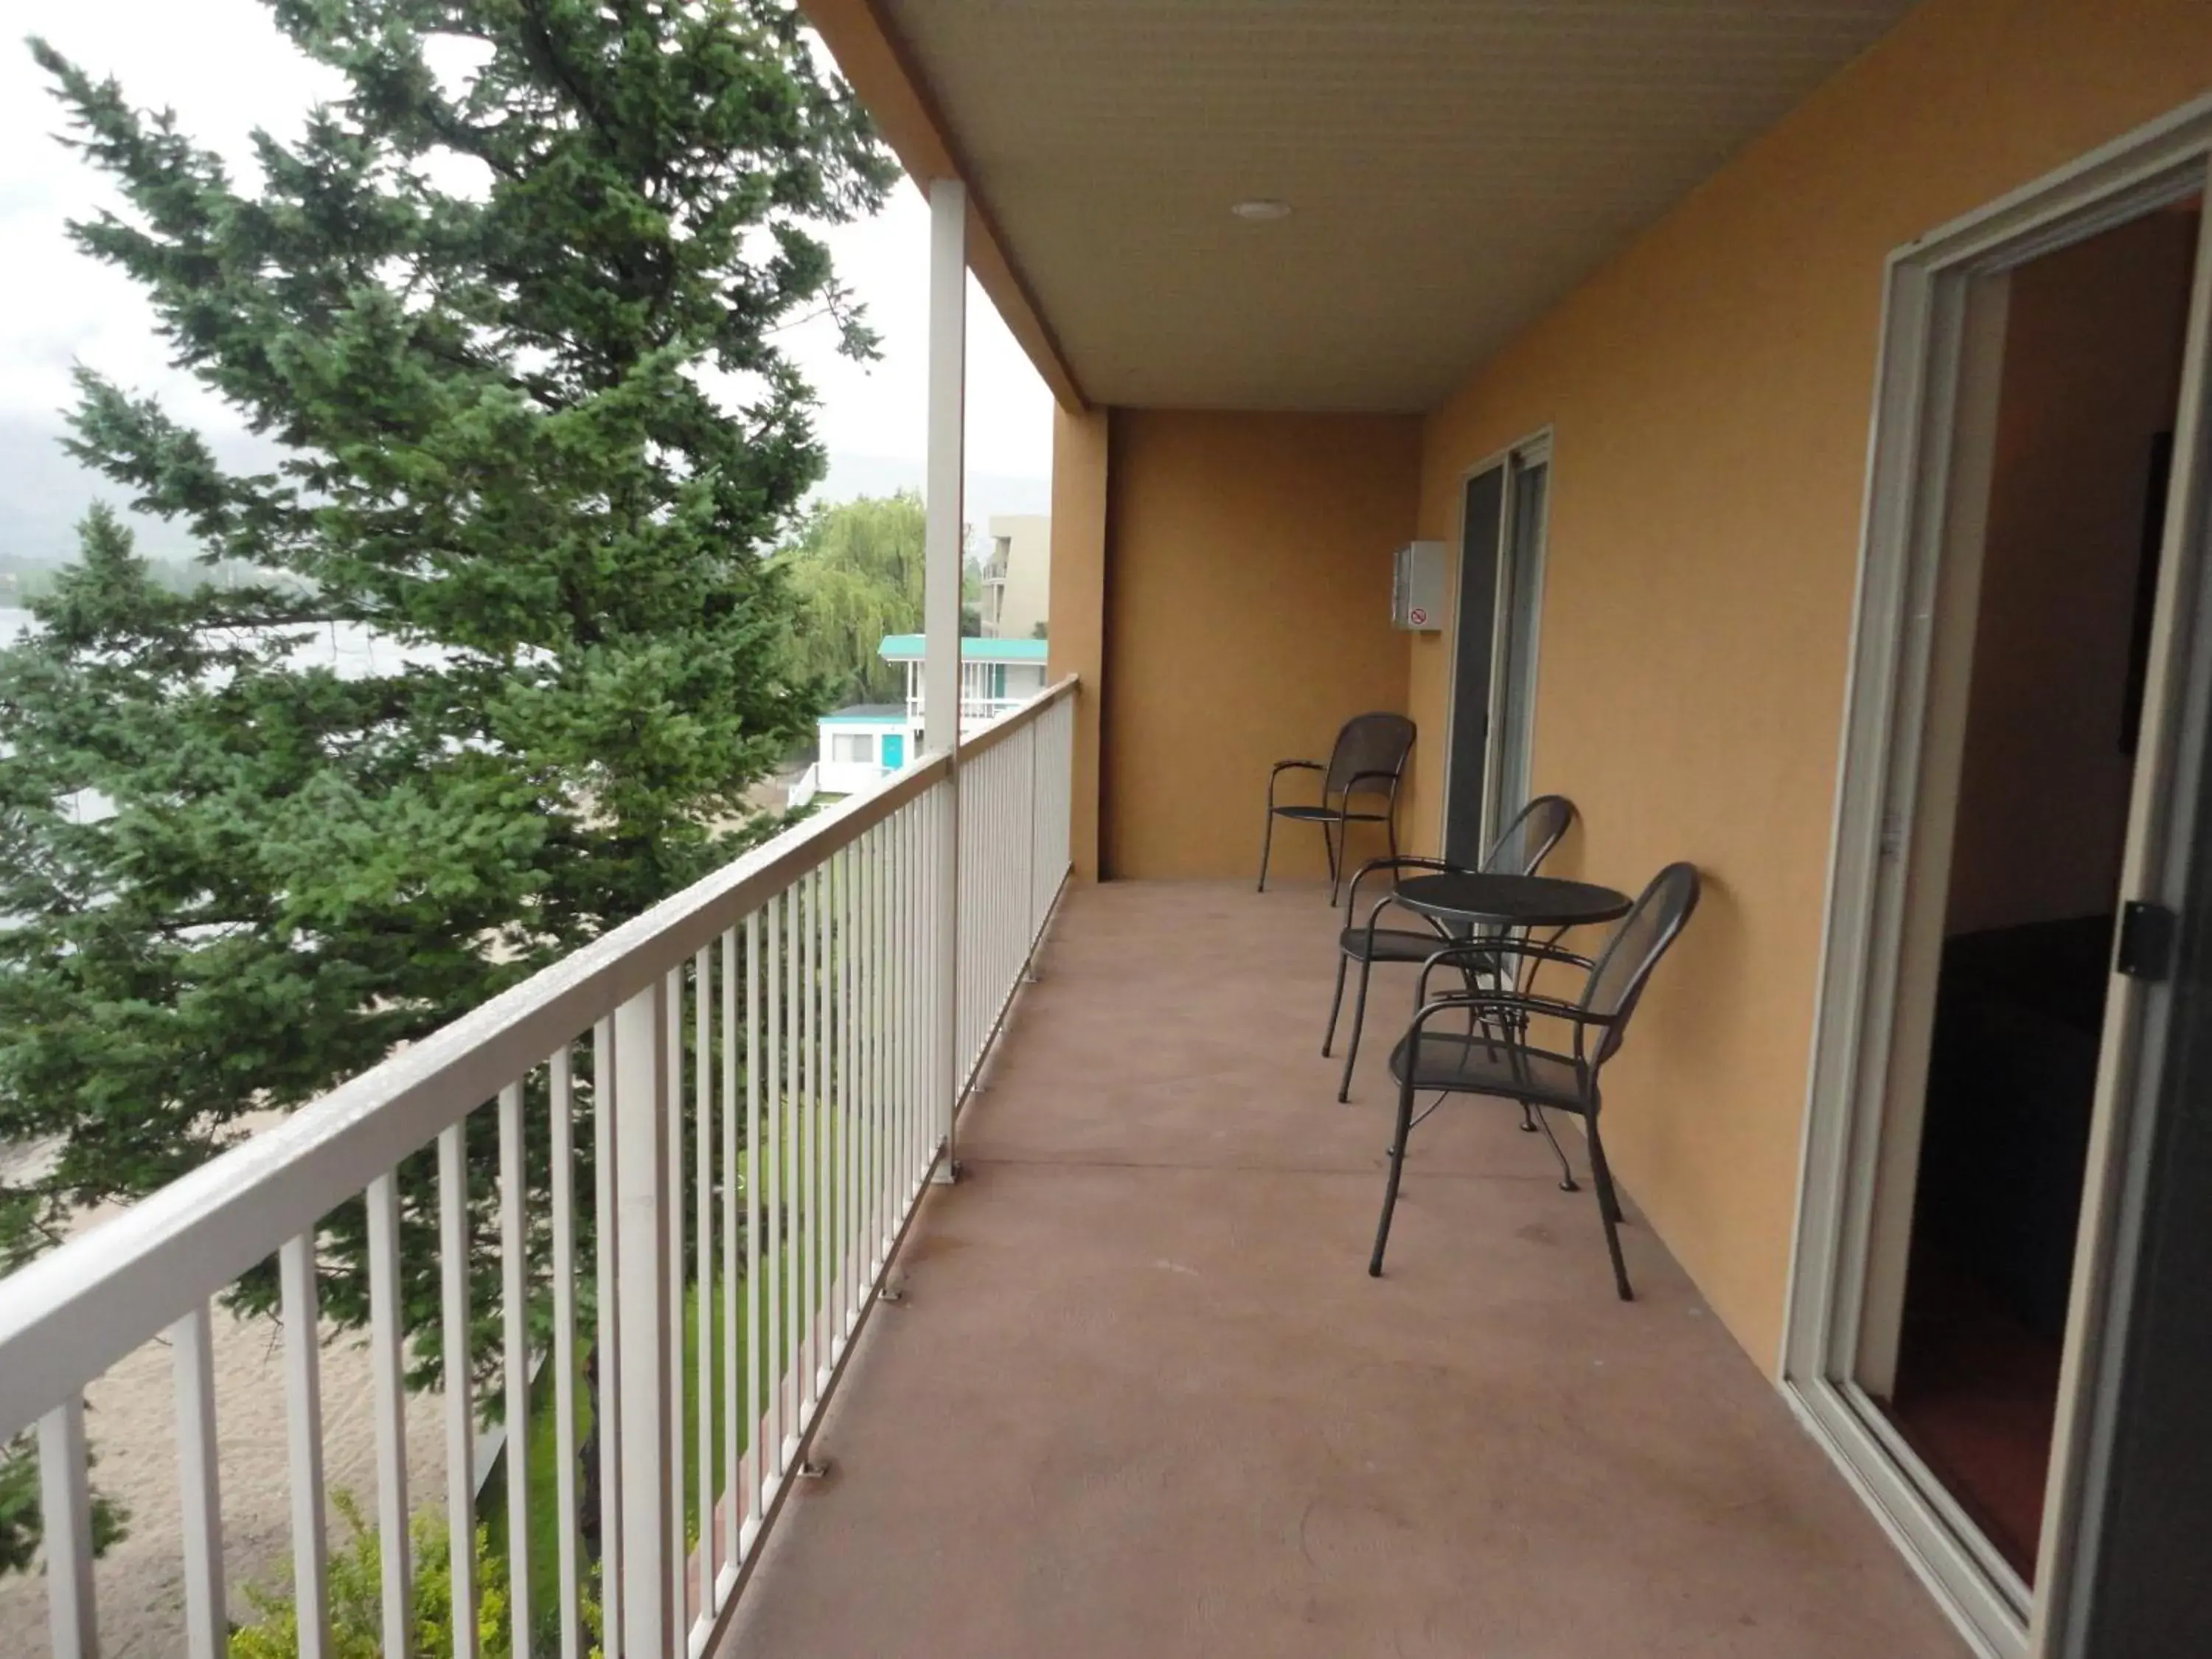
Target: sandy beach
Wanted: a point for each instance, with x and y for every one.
(131, 1417)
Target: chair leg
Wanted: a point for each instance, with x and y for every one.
(1397, 1166)
(1329, 841)
(1266, 845)
(1335, 1006)
(1608, 1210)
(1566, 1169)
(1359, 1024)
(1606, 1194)
(1528, 1125)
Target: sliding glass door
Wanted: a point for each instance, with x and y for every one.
(1998, 1319)
(1496, 622)
(1513, 667)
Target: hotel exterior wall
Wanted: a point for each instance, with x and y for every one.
(1247, 617)
(1077, 642)
(1708, 392)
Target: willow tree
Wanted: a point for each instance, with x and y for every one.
(857, 568)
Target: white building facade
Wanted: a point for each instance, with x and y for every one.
(863, 742)
(1017, 576)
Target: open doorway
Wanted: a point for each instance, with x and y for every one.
(2077, 462)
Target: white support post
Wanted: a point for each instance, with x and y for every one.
(645, 1315)
(946, 437)
(948, 376)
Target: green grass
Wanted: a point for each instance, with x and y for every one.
(541, 1451)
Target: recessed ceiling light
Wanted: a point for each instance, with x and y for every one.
(1261, 207)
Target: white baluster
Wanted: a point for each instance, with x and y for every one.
(514, 1329)
(387, 1360)
(191, 1348)
(606, 1427)
(644, 1194)
(561, 1127)
(303, 1417)
(460, 1428)
(65, 1511)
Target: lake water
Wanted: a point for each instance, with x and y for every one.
(353, 651)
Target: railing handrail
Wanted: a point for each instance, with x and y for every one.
(999, 727)
(72, 1312)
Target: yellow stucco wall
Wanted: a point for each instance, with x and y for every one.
(1709, 392)
(1248, 586)
(1076, 615)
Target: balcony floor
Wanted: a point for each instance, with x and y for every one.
(1142, 1397)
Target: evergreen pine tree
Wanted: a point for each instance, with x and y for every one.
(509, 308)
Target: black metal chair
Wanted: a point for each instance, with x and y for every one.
(1497, 1057)
(1368, 759)
(1527, 841)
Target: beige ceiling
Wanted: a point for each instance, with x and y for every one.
(1454, 167)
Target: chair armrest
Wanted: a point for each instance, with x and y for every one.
(1415, 861)
(1501, 945)
(1406, 861)
(1461, 954)
(1282, 766)
(1551, 953)
(1389, 779)
(1513, 1002)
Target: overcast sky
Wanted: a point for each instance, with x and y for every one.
(225, 70)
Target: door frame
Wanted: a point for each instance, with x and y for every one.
(1536, 447)
(1906, 522)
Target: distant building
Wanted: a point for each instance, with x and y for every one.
(995, 674)
(866, 741)
(1017, 576)
(860, 744)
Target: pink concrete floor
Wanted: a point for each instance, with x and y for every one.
(1142, 1397)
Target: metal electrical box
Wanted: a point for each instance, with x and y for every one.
(1417, 587)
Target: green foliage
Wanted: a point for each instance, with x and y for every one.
(857, 568)
(21, 1522)
(514, 327)
(355, 1592)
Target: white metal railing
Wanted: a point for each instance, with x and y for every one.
(1014, 783)
(769, 1032)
